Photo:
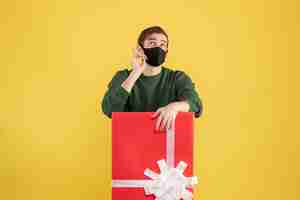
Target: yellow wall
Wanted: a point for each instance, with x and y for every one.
(58, 56)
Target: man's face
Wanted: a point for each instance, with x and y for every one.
(156, 40)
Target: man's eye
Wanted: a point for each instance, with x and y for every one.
(152, 43)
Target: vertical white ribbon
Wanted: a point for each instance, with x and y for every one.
(171, 145)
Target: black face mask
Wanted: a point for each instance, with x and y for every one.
(155, 56)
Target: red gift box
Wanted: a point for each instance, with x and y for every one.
(136, 146)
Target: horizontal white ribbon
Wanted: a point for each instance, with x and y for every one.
(130, 183)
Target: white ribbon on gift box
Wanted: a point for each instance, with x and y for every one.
(171, 183)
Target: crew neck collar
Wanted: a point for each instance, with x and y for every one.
(154, 76)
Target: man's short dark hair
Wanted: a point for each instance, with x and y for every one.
(150, 30)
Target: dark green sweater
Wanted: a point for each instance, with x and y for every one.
(150, 92)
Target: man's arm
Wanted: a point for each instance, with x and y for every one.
(186, 92)
(119, 88)
(115, 98)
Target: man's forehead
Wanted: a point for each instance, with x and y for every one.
(157, 36)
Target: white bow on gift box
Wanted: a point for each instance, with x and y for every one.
(170, 184)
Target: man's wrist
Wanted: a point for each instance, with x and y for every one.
(182, 106)
(130, 81)
(136, 72)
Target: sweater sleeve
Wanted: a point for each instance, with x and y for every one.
(185, 90)
(115, 97)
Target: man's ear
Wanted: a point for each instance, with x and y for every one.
(140, 47)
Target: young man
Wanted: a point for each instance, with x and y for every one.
(149, 86)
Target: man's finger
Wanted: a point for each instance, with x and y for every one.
(169, 124)
(164, 122)
(156, 113)
(158, 122)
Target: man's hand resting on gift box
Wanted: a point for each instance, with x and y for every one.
(166, 115)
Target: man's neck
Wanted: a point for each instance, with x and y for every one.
(151, 71)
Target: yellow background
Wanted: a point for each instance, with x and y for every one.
(58, 56)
